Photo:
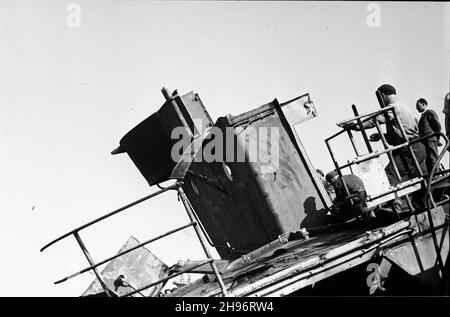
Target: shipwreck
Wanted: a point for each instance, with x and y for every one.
(251, 192)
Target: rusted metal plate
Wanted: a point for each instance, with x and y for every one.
(375, 180)
(376, 183)
(245, 204)
(419, 255)
(438, 217)
(139, 268)
(290, 190)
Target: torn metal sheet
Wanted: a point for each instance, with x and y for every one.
(300, 262)
(139, 268)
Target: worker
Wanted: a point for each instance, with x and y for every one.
(429, 124)
(347, 204)
(402, 157)
(446, 111)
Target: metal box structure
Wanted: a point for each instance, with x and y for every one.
(149, 143)
(246, 204)
(263, 185)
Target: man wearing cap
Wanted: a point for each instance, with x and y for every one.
(429, 124)
(394, 136)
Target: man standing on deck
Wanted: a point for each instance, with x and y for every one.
(446, 111)
(429, 124)
(394, 136)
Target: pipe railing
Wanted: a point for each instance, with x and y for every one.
(194, 222)
(430, 218)
(125, 252)
(388, 150)
(391, 159)
(365, 117)
(112, 213)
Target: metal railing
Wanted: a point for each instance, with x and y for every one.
(388, 150)
(93, 266)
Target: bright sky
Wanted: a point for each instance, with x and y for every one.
(68, 94)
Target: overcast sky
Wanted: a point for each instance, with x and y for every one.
(68, 94)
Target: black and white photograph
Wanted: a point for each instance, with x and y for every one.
(224, 149)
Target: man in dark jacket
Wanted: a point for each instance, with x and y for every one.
(429, 124)
(394, 136)
(351, 204)
(446, 111)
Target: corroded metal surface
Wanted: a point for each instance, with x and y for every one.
(301, 259)
(245, 204)
(286, 266)
(419, 255)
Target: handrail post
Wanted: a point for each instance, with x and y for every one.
(361, 127)
(91, 262)
(337, 167)
(430, 218)
(352, 140)
(191, 216)
(140, 245)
